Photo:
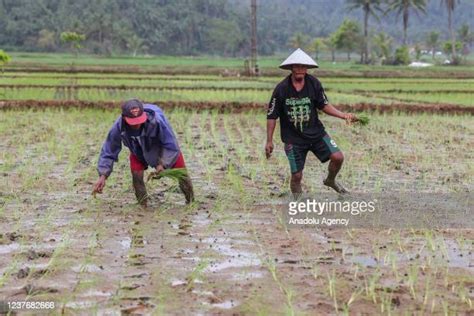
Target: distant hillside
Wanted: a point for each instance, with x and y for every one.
(193, 27)
(280, 19)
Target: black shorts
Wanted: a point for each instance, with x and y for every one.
(296, 153)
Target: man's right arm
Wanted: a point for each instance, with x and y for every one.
(271, 123)
(272, 115)
(108, 156)
(110, 151)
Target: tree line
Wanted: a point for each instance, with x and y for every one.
(222, 27)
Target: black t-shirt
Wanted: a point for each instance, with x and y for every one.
(299, 122)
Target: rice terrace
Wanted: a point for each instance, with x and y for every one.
(231, 250)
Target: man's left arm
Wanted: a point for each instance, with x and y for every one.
(322, 104)
(332, 111)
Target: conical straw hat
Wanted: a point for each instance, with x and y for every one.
(298, 57)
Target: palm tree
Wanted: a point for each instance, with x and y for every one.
(403, 7)
(383, 44)
(433, 42)
(450, 6)
(369, 7)
(466, 38)
(465, 34)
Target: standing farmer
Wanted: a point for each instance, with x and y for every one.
(295, 101)
(145, 130)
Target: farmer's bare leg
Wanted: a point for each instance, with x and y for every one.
(335, 164)
(295, 183)
(139, 186)
(186, 187)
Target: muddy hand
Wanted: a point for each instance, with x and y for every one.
(350, 118)
(99, 186)
(268, 149)
(155, 174)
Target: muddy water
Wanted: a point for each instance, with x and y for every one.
(229, 253)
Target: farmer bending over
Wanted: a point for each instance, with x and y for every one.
(295, 101)
(145, 130)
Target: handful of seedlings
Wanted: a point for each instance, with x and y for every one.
(177, 174)
(363, 119)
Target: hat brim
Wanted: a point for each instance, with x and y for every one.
(288, 67)
(136, 120)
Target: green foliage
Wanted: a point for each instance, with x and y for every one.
(136, 44)
(383, 47)
(417, 52)
(46, 39)
(369, 7)
(466, 38)
(465, 35)
(348, 37)
(448, 47)
(403, 8)
(223, 37)
(186, 27)
(331, 44)
(402, 56)
(4, 58)
(317, 46)
(74, 39)
(432, 42)
(177, 174)
(299, 40)
(363, 119)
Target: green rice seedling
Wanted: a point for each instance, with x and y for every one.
(332, 279)
(427, 293)
(463, 294)
(196, 274)
(413, 279)
(430, 240)
(282, 222)
(354, 296)
(445, 308)
(8, 272)
(176, 174)
(386, 302)
(363, 119)
(371, 284)
(271, 266)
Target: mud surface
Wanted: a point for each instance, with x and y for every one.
(227, 254)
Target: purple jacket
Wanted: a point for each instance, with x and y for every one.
(157, 142)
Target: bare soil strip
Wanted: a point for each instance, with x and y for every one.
(236, 106)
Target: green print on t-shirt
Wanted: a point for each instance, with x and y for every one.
(298, 111)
